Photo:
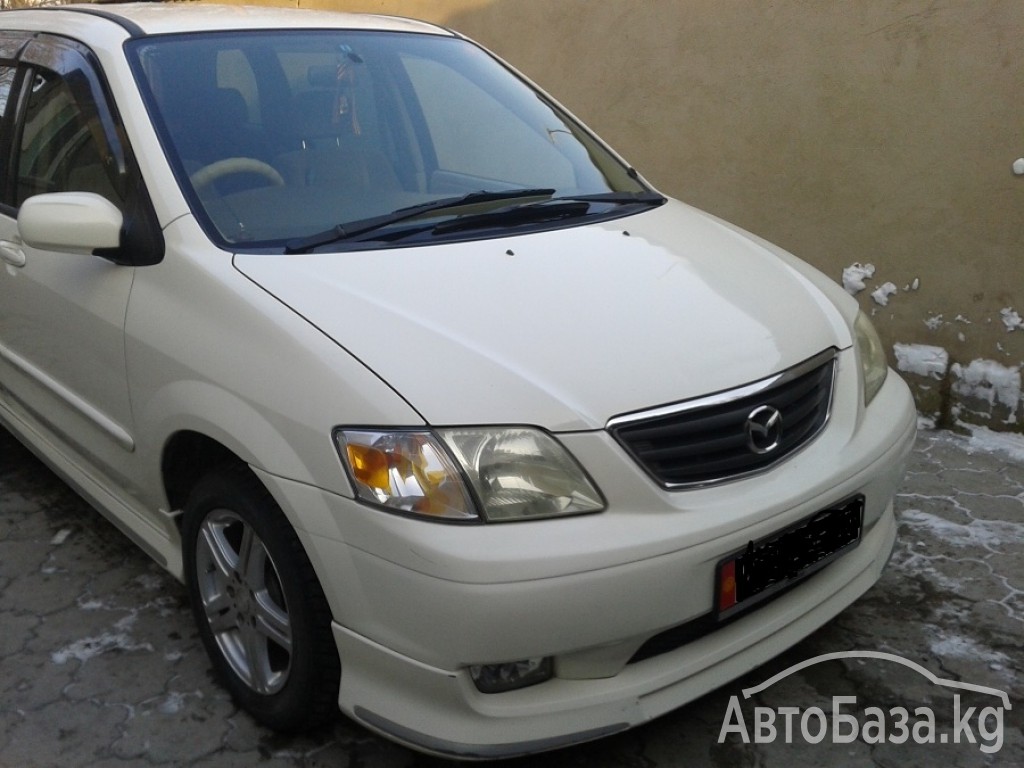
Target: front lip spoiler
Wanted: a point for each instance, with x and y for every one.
(458, 750)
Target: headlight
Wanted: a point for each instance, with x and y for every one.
(513, 473)
(405, 471)
(519, 472)
(873, 363)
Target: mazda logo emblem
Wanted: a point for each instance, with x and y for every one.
(764, 429)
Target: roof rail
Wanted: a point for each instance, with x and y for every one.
(130, 27)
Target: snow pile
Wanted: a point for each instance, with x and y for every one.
(922, 360)
(1007, 444)
(1011, 319)
(990, 382)
(883, 292)
(855, 275)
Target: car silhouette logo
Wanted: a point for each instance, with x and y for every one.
(945, 683)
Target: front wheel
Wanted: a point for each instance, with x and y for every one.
(260, 610)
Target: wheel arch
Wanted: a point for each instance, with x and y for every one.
(187, 457)
(219, 428)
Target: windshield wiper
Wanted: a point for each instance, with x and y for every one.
(362, 226)
(515, 215)
(622, 198)
(552, 209)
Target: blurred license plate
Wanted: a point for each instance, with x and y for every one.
(766, 567)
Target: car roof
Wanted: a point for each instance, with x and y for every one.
(151, 18)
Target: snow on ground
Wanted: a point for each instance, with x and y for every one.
(988, 535)
(89, 647)
(1008, 444)
(962, 647)
(955, 546)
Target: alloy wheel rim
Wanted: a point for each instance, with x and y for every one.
(243, 600)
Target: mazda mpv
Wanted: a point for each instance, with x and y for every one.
(441, 412)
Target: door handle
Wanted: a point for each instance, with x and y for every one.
(12, 253)
(1018, 166)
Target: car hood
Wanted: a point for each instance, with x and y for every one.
(567, 328)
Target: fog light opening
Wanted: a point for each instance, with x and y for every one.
(498, 678)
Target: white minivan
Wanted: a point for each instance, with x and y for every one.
(441, 412)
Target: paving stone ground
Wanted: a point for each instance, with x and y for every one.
(100, 666)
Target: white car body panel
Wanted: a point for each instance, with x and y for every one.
(563, 329)
(62, 345)
(257, 376)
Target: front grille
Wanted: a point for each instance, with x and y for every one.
(711, 439)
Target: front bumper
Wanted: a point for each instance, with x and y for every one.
(441, 712)
(417, 603)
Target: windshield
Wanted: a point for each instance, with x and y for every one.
(281, 136)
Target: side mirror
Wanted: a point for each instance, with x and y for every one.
(73, 222)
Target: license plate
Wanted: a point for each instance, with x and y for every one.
(766, 567)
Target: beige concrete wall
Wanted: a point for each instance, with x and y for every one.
(877, 132)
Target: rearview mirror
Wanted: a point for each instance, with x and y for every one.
(73, 222)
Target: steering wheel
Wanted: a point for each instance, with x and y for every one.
(231, 165)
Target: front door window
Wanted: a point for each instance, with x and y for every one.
(62, 147)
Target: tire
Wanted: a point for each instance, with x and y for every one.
(258, 605)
